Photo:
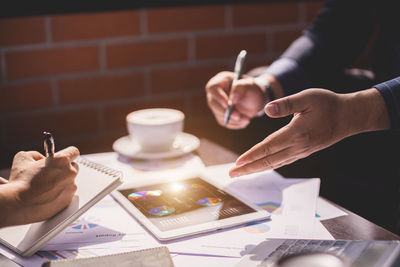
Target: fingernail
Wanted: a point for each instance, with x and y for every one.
(235, 116)
(234, 174)
(272, 108)
(240, 163)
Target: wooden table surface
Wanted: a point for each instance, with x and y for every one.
(351, 226)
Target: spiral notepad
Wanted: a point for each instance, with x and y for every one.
(94, 181)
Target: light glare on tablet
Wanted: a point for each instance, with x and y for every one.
(176, 187)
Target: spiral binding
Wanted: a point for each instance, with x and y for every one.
(99, 167)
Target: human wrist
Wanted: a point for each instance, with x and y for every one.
(270, 88)
(267, 80)
(10, 205)
(368, 112)
(266, 88)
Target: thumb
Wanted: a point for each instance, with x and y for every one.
(35, 155)
(70, 152)
(28, 156)
(286, 106)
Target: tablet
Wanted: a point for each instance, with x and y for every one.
(174, 209)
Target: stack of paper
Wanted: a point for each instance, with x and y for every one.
(107, 228)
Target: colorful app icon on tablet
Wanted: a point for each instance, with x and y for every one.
(144, 195)
(162, 210)
(209, 201)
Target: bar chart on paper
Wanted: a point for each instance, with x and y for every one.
(66, 254)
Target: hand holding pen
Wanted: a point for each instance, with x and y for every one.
(234, 100)
(42, 185)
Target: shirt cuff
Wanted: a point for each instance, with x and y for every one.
(291, 76)
(390, 91)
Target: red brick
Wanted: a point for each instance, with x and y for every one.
(22, 31)
(114, 116)
(96, 143)
(183, 79)
(229, 45)
(96, 25)
(253, 63)
(245, 15)
(101, 88)
(283, 39)
(25, 97)
(163, 20)
(1, 68)
(60, 123)
(44, 62)
(313, 8)
(145, 53)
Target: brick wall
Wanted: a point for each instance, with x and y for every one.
(78, 75)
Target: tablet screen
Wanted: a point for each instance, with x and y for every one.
(174, 205)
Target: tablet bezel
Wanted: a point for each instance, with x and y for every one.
(258, 215)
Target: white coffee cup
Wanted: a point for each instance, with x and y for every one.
(155, 129)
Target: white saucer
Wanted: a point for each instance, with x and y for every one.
(184, 143)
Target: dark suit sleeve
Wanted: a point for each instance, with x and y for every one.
(390, 90)
(336, 37)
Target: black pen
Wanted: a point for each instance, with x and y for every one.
(238, 74)
(48, 144)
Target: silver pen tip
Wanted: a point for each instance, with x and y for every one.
(228, 114)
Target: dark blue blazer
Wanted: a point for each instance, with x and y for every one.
(338, 35)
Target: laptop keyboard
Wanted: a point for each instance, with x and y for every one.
(293, 246)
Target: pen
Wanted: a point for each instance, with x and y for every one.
(48, 144)
(238, 74)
